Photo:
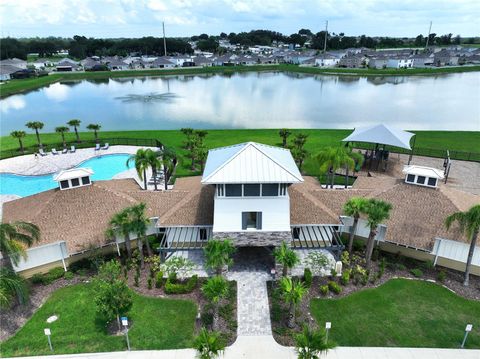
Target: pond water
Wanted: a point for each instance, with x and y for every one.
(253, 100)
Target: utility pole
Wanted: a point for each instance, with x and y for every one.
(326, 32)
(164, 40)
(428, 36)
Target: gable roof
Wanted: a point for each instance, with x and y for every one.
(250, 162)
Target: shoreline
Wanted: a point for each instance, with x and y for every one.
(14, 87)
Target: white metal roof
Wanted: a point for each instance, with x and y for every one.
(382, 134)
(423, 171)
(250, 162)
(72, 173)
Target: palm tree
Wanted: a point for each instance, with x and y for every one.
(208, 344)
(292, 291)
(61, 130)
(95, 128)
(377, 211)
(11, 285)
(354, 207)
(215, 289)
(299, 140)
(469, 223)
(36, 125)
(332, 158)
(286, 257)
(15, 237)
(19, 135)
(218, 254)
(169, 161)
(284, 133)
(310, 344)
(299, 155)
(140, 223)
(120, 223)
(141, 160)
(75, 124)
(154, 162)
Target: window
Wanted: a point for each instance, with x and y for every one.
(421, 179)
(75, 182)
(203, 234)
(251, 220)
(411, 178)
(296, 233)
(220, 190)
(251, 190)
(283, 189)
(64, 184)
(270, 190)
(233, 190)
(85, 180)
(432, 182)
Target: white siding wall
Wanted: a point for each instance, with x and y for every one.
(38, 256)
(228, 213)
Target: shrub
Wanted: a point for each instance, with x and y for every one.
(181, 288)
(333, 273)
(345, 277)
(345, 259)
(428, 265)
(324, 289)
(56, 273)
(375, 254)
(39, 279)
(417, 272)
(68, 275)
(49, 277)
(358, 245)
(159, 279)
(136, 279)
(442, 276)
(334, 287)
(307, 277)
(149, 283)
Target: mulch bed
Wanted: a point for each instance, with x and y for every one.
(279, 311)
(14, 318)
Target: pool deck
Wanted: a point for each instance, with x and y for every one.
(28, 165)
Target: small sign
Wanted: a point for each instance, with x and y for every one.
(124, 321)
(47, 331)
(469, 328)
(328, 325)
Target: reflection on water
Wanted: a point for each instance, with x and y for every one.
(252, 100)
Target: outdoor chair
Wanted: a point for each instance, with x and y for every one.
(106, 146)
(97, 147)
(42, 152)
(65, 150)
(54, 151)
(72, 149)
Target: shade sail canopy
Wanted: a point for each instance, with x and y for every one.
(381, 134)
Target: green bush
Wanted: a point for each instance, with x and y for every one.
(68, 275)
(427, 265)
(181, 288)
(358, 245)
(417, 272)
(49, 277)
(149, 283)
(307, 277)
(324, 289)
(333, 273)
(56, 273)
(39, 279)
(334, 287)
(442, 275)
(345, 279)
(159, 280)
(345, 259)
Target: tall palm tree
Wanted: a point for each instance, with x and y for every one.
(95, 128)
(286, 257)
(36, 125)
(299, 155)
(120, 223)
(140, 223)
(377, 211)
(209, 345)
(19, 135)
(61, 130)
(75, 123)
(332, 158)
(15, 237)
(354, 207)
(218, 254)
(310, 344)
(141, 161)
(169, 161)
(155, 163)
(215, 289)
(292, 291)
(284, 133)
(469, 223)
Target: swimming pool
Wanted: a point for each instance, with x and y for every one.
(104, 168)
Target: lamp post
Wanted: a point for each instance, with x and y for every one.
(48, 333)
(468, 329)
(328, 325)
(125, 324)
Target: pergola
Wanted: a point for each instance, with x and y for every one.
(381, 135)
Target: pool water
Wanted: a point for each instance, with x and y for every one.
(104, 168)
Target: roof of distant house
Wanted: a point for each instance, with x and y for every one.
(8, 69)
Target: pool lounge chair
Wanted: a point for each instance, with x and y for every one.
(106, 146)
(97, 147)
(72, 149)
(54, 151)
(42, 152)
(65, 150)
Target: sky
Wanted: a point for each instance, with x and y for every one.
(137, 18)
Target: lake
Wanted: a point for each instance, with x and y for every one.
(252, 100)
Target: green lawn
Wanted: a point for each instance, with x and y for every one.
(434, 141)
(401, 313)
(17, 86)
(156, 324)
